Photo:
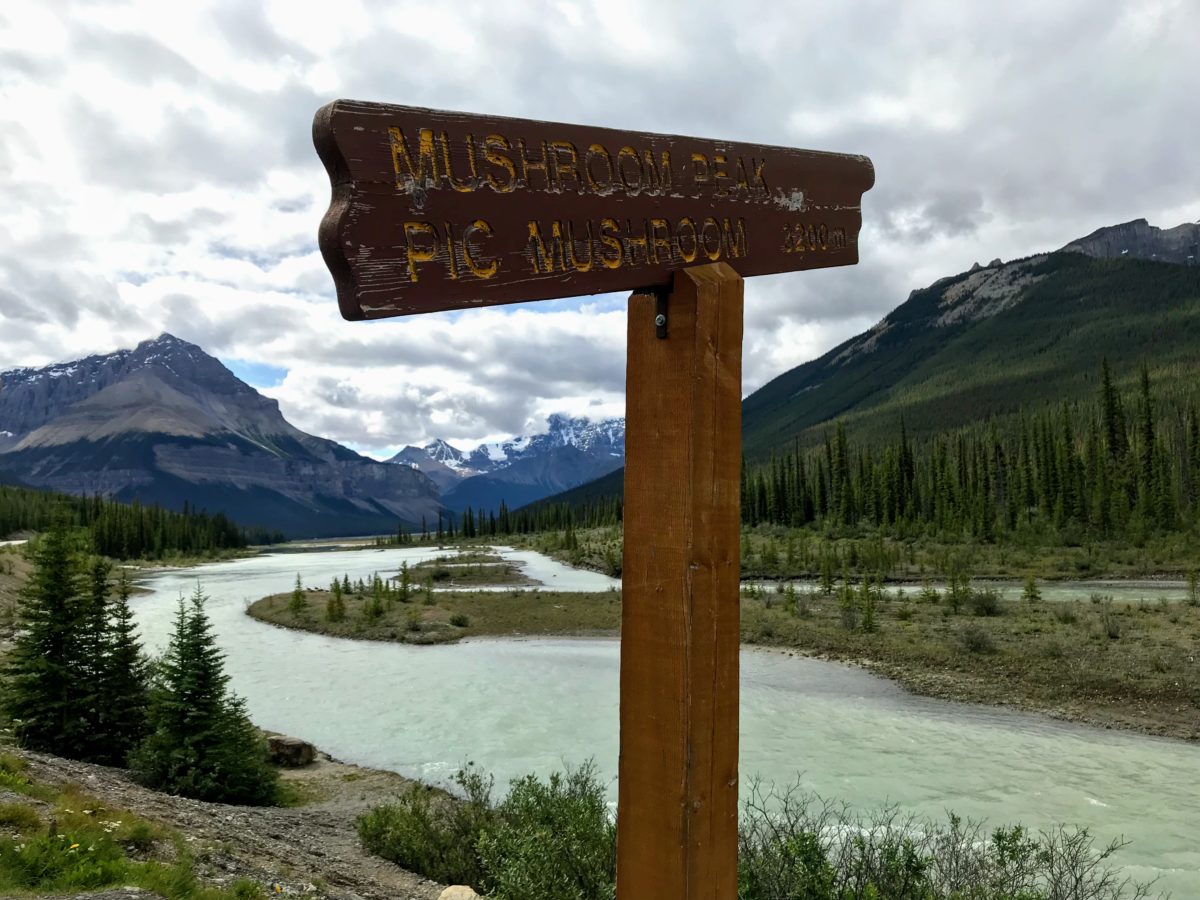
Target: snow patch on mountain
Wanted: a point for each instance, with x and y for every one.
(604, 437)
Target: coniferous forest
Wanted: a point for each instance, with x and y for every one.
(1118, 468)
(127, 530)
(1123, 466)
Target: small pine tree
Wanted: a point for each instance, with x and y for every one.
(201, 743)
(405, 582)
(826, 574)
(868, 607)
(1031, 593)
(297, 604)
(1193, 583)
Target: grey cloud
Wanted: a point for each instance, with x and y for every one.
(995, 131)
(247, 29)
(137, 58)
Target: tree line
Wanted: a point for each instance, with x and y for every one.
(78, 684)
(127, 530)
(1115, 468)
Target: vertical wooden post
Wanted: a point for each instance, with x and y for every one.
(678, 784)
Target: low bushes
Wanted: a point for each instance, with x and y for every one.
(556, 840)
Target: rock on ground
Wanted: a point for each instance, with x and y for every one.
(290, 751)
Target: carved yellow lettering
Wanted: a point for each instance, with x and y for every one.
(480, 268)
(743, 180)
(422, 174)
(565, 161)
(451, 259)
(660, 239)
(416, 254)
(633, 244)
(700, 173)
(463, 185)
(528, 164)
(720, 173)
(492, 145)
(687, 254)
(601, 185)
(710, 238)
(609, 229)
(630, 177)
(576, 261)
(659, 178)
(735, 238)
(759, 180)
(543, 260)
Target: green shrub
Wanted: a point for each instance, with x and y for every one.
(1110, 625)
(553, 840)
(431, 833)
(460, 620)
(985, 602)
(1066, 615)
(975, 639)
(797, 846)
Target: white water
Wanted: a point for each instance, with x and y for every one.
(520, 706)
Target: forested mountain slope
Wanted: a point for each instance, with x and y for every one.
(985, 344)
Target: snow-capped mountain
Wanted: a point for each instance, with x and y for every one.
(527, 468)
(169, 424)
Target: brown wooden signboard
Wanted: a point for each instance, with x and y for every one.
(437, 210)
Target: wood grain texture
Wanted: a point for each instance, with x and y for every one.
(678, 784)
(434, 210)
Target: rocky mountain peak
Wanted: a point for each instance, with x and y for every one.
(1141, 240)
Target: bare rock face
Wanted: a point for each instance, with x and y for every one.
(1141, 240)
(291, 752)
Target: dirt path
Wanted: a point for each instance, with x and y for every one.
(310, 851)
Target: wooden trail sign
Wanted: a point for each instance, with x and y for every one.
(437, 210)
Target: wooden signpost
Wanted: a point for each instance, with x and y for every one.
(437, 210)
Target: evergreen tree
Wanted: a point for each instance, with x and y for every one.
(200, 743)
(296, 603)
(46, 693)
(122, 681)
(93, 647)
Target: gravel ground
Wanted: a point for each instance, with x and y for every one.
(310, 851)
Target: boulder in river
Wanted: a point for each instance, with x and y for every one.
(290, 751)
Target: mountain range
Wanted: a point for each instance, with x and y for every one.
(516, 472)
(166, 423)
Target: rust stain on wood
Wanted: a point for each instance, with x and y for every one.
(436, 210)
(677, 827)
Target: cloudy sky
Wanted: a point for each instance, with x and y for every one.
(158, 172)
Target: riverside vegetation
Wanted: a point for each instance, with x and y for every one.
(555, 839)
(1121, 664)
(77, 684)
